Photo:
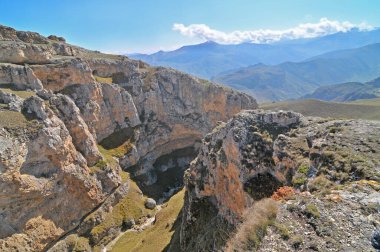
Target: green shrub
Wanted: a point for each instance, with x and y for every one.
(303, 169)
(101, 164)
(312, 211)
(296, 241)
(319, 184)
(282, 230)
(297, 181)
(253, 229)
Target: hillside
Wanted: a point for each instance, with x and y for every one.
(345, 92)
(210, 59)
(299, 184)
(100, 152)
(361, 109)
(292, 80)
(91, 142)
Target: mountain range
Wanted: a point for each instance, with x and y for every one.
(346, 92)
(290, 80)
(209, 59)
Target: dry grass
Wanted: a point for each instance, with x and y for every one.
(130, 207)
(253, 228)
(156, 237)
(9, 88)
(12, 119)
(320, 184)
(363, 109)
(107, 80)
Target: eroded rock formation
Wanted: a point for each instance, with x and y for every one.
(52, 172)
(256, 153)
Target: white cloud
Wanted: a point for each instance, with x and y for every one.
(306, 30)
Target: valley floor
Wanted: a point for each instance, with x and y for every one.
(158, 235)
(360, 109)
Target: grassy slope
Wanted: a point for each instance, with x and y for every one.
(103, 80)
(371, 102)
(156, 237)
(364, 109)
(12, 119)
(9, 88)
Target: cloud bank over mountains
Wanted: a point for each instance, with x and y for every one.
(324, 27)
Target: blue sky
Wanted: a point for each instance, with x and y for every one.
(147, 25)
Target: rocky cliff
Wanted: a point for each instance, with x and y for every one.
(322, 177)
(69, 115)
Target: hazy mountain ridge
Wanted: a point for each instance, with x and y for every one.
(292, 80)
(209, 59)
(349, 91)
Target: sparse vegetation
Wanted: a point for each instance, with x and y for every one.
(319, 184)
(312, 211)
(14, 119)
(107, 80)
(101, 164)
(253, 229)
(299, 180)
(283, 192)
(296, 241)
(77, 244)
(369, 110)
(156, 237)
(303, 169)
(9, 88)
(130, 207)
(282, 230)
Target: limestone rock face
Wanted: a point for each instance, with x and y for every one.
(57, 76)
(248, 158)
(105, 108)
(10, 34)
(241, 152)
(82, 138)
(176, 110)
(18, 53)
(14, 102)
(59, 156)
(21, 76)
(104, 67)
(42, 171)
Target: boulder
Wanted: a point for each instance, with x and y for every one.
(14, 102)
(150, 203)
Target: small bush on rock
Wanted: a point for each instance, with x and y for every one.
(253, 228)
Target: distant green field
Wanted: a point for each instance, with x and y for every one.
(372, 102)
(361, 109)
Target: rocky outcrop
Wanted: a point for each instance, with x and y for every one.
(13, 101)
(10, 34)
(59, 169)
(106, 108)
(82, 138)
(255, 153)
(20, 76)
(41, 171)
(176, 110)
(57, 76)
(19, 53)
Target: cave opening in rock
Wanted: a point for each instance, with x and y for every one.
(117, 138)
(169, 170)
(263, 185)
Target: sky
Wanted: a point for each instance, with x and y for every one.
(146, 26)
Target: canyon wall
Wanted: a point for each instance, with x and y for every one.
(72, 104)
